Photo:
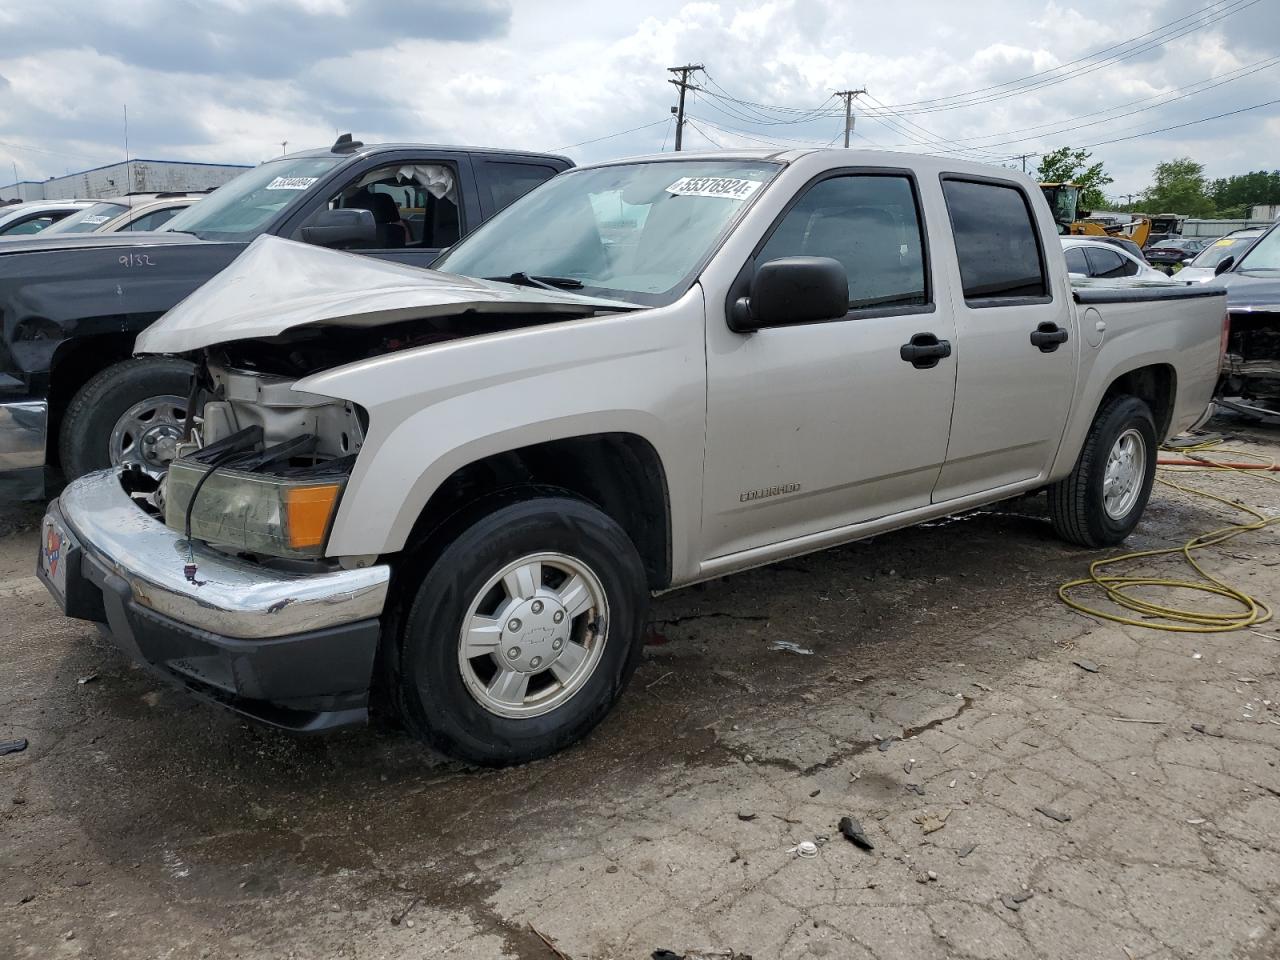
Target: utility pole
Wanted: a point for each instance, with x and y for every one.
(1024, 157)
(683, 84)
(284, 147)
(848, 111)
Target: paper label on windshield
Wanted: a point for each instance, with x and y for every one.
(95, 219)
(729, 188)
(291, 183)
(1224, 242)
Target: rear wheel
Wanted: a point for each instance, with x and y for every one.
(1100, 502)
(523, 633)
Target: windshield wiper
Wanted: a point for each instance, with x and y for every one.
(546, 283)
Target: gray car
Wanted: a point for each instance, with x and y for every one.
(1205, 266)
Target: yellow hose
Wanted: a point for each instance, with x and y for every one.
(1156, 616)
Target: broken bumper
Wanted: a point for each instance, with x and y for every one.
(293, 650)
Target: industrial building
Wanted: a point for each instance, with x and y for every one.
(119, 179)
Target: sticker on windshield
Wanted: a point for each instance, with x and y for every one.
(95, 219)
(291, 183)
(730, 188)
(1224, 242)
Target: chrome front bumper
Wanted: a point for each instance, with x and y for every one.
(227, 597)
(23, 427)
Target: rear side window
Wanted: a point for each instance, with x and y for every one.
(996, 241)
(508, 182)
(1076, 262)
(870, 224)
(1109, 264)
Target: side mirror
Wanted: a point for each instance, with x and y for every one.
(792, 290)
(1225, 264)
(341, 227)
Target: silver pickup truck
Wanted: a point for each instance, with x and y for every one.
(455, 490)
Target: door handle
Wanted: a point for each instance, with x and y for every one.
(1048, 337)
(925, 350)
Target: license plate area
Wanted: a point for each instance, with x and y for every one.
(56, 548)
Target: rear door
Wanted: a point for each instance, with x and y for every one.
(1016, 372)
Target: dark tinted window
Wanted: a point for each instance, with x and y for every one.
(1076, 262)
(869, 224)
(996, 241)
(508, 182)
(30, 225)
(1109, 264)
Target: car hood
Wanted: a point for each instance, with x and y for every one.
(1251, 291)
(1195, 274)
(82, 241)
(277, 285)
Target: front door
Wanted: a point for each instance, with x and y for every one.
(816, 426)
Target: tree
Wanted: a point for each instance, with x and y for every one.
(1235, 195)
(1180, 187)
(1066, 165)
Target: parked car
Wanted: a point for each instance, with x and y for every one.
(1252, 281)
(1124, 244)
(475, 479)
(72, 397)
(135, 213)
(1104, 261)
(1207, 264)
(1174, 252)
(25, 219)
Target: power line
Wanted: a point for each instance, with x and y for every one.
(847, 96)
(1189, 123)
(610, 136)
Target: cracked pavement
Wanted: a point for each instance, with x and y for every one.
(941, 707)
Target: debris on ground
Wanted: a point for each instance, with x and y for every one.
(746, 817)
(1014, 901)
(885, 744)
(916, 788)
(967, 849)
(13, 746)
(790, 646)
(560, 954)
(1207, 731)
(805, 850)
(700, 955)
(1086, 665)
(399, 918)
(1053, 814)
(853, 832)
(87, 678)
(931, 822)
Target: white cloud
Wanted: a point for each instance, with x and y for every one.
(534, 74)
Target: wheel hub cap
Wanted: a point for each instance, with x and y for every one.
(535, 633)
(1126, 470)
(147, 434)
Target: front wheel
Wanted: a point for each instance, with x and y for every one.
(1100, 502)
(523, 633)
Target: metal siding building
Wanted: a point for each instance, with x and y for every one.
(118, 179)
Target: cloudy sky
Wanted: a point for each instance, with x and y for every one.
(228, 80)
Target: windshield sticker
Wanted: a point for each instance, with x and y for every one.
(95, 219)
(730, 188)
(1224, 242)
(291, 183)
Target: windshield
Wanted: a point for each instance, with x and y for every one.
(636, 231)
(241, 209)
(1064, 200)
(89, 219)
(1216, 251)
(1264, 256)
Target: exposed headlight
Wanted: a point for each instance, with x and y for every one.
(280, 516)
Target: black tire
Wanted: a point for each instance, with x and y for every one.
(84, 439)
(1076, 504)
(431, 693)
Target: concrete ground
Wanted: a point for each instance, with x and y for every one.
(942, 706)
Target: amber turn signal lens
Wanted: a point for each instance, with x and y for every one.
(308, 510)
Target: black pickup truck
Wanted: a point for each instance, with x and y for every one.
(71, 395)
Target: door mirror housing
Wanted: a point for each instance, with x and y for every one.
(341, 227)
(792, 290)
(1225, 264)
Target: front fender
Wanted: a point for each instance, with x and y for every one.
(435, 409)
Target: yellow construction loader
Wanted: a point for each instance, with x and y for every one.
(1064, 201)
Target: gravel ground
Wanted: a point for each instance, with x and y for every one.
(943, 706)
